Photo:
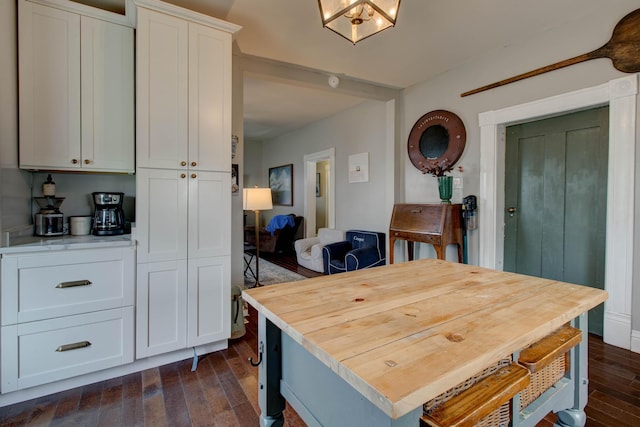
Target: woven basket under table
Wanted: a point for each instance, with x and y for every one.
(498, 418)
(544, 379)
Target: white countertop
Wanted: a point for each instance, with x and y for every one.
(39, 244)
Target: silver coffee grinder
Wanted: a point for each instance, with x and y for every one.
(49, 221)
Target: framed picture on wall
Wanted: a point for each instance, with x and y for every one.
(318, 184)
(235, 188)
(281, 184)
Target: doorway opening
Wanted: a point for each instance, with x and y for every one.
(319, 191)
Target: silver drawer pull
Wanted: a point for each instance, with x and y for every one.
(73, 284)
(74, 346)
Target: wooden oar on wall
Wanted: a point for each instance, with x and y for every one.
(623, 49)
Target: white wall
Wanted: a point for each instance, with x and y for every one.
(361, 129)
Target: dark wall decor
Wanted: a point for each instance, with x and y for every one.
(436, 142)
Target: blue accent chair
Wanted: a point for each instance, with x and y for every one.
(361, 249)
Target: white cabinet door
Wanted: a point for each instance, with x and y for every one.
(161, 308)
(161, 210)
(107, 96)
(49, 87)
(162, 90)
(182, 214)
(209, 300)
(209, 99)
(209, 233)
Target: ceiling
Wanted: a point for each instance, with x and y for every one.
(430, 37)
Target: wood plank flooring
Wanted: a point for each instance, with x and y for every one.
(223, 391)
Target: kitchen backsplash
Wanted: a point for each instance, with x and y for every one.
(77, 188)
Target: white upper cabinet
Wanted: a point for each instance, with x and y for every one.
(76, 91)
(209, 99)
(49, 86)
(161, 84)
(184, 94)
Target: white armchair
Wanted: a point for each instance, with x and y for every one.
(309, 250)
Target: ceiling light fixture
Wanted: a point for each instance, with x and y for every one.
(355, 20)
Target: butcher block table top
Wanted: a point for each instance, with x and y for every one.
(405, 333)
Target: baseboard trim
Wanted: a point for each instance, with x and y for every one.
(635, 341)
(617, 329)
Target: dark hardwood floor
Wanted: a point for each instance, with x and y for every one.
(223, 391)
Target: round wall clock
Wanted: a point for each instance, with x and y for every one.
(436, 142)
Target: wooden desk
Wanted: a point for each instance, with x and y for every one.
(439, 225)
(369, 347)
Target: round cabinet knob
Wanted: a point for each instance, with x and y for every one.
(193, 164)
(87, 161)
(183, 175)
(74, 161)
(183, 163)
(193, 175)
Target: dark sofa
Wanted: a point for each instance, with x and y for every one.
(280, 241)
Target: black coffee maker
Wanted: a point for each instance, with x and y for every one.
(108, 219)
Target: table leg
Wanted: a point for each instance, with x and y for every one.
(270, 400)
(575, 416)
(571, 418)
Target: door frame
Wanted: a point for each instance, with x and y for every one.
(620, 94)
(310, 162)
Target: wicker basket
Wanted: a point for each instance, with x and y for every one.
(544, 379)
(498, 418)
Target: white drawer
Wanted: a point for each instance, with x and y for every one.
(40, 352)
(42, 286)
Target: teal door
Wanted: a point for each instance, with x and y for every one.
(556, 200)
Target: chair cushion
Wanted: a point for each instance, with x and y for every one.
(330, 235)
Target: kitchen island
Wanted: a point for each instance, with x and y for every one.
(370, 347)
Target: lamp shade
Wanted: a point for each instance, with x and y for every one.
(356, 20)
(256, 199)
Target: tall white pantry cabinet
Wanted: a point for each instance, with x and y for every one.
(183, 184)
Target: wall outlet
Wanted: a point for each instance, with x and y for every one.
(457, 183)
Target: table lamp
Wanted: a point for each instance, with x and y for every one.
(257, 199)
